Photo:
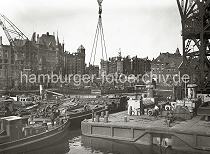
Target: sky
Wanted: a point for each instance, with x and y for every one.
(134, 27)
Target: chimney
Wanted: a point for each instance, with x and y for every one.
(63, 47)
(0, 40)
(38, 38)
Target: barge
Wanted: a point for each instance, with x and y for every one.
(16, 138)
(192, 134)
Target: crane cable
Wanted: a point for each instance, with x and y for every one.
(102, 35)
(99, 31)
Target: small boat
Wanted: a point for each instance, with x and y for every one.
(17, 136)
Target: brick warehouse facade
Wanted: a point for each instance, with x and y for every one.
(41, 55)
(166, 64)
(126, 65)
(7, 67)
(75, 62)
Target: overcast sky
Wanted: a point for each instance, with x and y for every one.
(138, 27)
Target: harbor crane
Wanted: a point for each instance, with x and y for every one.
(16, 38)
(195, 20)
(10, 29)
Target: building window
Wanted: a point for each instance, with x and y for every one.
(1, 53)
(12, 61)
(5, 60)
(5, 54)
(1, 67)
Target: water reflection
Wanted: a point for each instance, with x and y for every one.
(61, 147)
(115, 147)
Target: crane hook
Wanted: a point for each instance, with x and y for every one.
(100, 2)
(100, 7)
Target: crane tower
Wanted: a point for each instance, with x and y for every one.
(195, 20)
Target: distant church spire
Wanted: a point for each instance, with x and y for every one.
(177, 51)
(57, 39)
(33, 38)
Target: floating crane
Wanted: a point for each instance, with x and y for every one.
(98, 35)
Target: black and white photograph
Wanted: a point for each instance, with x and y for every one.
(105, 77)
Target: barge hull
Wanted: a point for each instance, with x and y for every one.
(149, 134)
(35, 142)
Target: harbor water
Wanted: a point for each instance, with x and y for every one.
(76, 143)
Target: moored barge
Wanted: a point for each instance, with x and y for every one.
(16, 135)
